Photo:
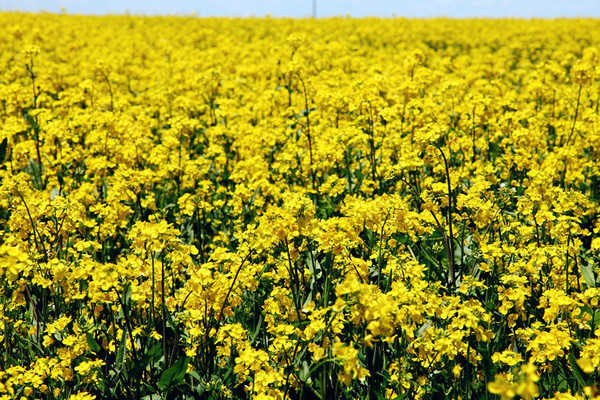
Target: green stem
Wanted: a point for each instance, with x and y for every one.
(308, 134)
(229, 292)
(575, 116)
(295, 283)
(450, 242)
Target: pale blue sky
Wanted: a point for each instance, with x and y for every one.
(303, 8)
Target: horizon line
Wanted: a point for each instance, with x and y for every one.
(197, 14)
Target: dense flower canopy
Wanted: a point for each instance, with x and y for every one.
(276, 208)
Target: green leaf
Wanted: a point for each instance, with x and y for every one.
(304, 372)
(576, 370)
(120, 361)
(314, 266)
(587, 271)
(127, 297)
(257, 191)
(174, 375)
(3, 147)
(92, 344)
(307, 111)
(154, 396)
(34, 171)
(151, 356)
(257, 330)
(195, 375)
(32, 122)
(170, 321)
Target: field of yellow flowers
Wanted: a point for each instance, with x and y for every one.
(197, 208)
